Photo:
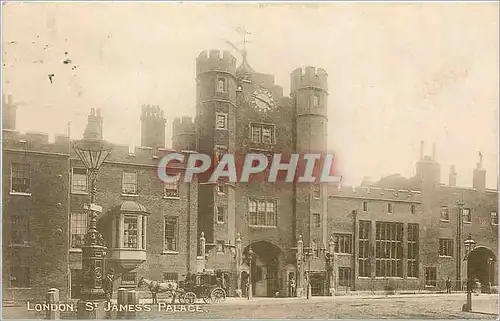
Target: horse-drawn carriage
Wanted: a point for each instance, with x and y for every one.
(206, 286)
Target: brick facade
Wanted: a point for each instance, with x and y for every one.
(229, 216)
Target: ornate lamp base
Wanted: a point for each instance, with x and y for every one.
(93, 272)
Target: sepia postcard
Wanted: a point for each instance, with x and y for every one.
(238, 160)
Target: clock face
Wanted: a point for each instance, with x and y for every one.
(262, 100)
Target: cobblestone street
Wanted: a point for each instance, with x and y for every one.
(439, 306)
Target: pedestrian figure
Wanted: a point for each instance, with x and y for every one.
(292, 287)
(477, 285)
(108, 284)
(448, 285)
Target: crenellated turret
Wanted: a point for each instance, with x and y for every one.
(216, 87)
(215, 60)
(184, 134)
(309, 90)
(309, 77)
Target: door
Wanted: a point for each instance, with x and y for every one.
(317, 283)
(76, 283)
(272, 281)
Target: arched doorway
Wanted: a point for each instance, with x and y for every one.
(481, 266)
(265, 269)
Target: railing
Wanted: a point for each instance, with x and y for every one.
(390, 286)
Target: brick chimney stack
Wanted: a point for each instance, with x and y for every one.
(453, 176)
(479, 175)
(93, 130)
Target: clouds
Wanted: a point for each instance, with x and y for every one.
(398, 73)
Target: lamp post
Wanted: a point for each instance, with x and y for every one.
(249, 258)
(469, 245)
(308, 253)
(460, 205)
(92, 151)
(330, 261)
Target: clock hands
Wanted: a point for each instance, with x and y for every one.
(262, 100)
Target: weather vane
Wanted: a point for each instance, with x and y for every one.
(244, 33)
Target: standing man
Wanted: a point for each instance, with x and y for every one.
(108, 284)
(448, 285)
(292, 287)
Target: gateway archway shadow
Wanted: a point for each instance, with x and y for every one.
(481, 265)
(266, 269)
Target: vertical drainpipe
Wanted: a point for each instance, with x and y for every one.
(355, 249)
(188, 258)
(68, 215)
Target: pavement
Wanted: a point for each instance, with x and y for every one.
(400, 306)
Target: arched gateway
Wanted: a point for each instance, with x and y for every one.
(481, 265)
(266, 269)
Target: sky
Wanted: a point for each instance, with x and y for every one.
(399, 73)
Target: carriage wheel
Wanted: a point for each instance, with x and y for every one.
(169, 295)
(189, 298)
(182, 298)
(218, 295)
(206, 299)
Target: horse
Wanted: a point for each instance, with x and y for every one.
(159, 287)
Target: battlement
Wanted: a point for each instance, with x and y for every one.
(152, 111)
(183, 125)
(215, 60)
(35, 142)
(375, 192)
(309, 77)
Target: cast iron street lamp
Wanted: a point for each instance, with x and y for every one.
(92, 151)
(249, 258)
(329, 261)
(308, 253)
(469, 245)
